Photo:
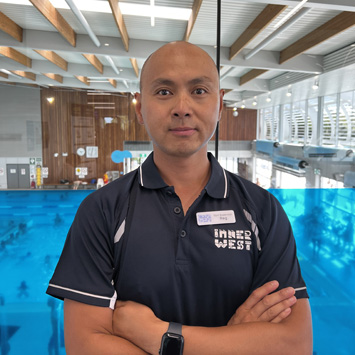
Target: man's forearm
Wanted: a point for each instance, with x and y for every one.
(247, 338)
(103, 344)
(88, 330)
(293, 335)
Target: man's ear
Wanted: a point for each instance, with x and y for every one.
(221, 94)
(138, 108)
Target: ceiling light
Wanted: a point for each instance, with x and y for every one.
(315, 85)
(152, 18)
(173, 13)
(234, 108)
(243, 105)
(289, 92)
(134, 101)
(50, 99)
(235, 112)
(294, 10)
(98, 93)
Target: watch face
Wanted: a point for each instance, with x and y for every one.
(172, 344)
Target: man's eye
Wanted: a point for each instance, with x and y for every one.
(164, 92)
(199, 91)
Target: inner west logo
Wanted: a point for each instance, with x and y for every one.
(232, 239)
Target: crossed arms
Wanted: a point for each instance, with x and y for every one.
(265, 323)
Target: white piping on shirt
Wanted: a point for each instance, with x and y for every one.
(80, 292)
(141, 174)
(225, 184)
(120, 232)
(254, 228)
(300, 288)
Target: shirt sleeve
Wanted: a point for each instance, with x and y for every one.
(277, 258)
(85, 269)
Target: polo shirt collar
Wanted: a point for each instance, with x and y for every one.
(217, 186)
(149, 176)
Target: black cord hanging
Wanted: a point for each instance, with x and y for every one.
(218, 53)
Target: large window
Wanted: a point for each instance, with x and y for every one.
(347, 119)
(298, 123)
(329, 124)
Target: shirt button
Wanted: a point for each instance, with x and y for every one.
(183, 234)
(177, 210)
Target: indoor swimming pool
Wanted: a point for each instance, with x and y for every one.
(33, 227)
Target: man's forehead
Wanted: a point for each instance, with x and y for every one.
(176, 53)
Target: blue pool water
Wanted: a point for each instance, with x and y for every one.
(33, 227)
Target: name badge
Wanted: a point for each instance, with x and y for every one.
(215, 217)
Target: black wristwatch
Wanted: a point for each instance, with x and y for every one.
(172, 342)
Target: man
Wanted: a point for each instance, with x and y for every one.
(196, 245)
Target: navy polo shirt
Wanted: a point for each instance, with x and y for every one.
(195, 269)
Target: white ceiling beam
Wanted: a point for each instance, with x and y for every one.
(276, 33)
(269, 60)
(70, 82)
(83, 22)
(39, 66)
(142, 49)
(255, 85)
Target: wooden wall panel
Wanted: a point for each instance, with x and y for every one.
(240, 128)
(76, 119)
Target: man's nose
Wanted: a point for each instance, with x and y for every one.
(182, 106)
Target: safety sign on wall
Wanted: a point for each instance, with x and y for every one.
(81, 172)
(44, 172)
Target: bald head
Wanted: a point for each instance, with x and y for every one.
(187, 52)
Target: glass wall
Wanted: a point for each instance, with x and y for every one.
(33, 228)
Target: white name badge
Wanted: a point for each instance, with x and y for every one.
(215, 217)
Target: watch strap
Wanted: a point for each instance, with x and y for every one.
(175, 328)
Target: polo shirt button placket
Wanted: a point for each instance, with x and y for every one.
(183, 234)
(177, 210)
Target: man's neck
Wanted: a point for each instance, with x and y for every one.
(188, 175)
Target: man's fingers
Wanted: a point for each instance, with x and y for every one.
(271, 305)
(283, 315)
(276, 311)
(258, 294)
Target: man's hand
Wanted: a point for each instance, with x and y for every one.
(264, 306)
(138, 324)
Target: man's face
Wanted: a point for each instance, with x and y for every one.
(180, 102)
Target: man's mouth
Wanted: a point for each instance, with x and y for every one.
(183, 131)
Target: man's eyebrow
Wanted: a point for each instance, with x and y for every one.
(162, 81)
(168, 82)
(201, 80)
